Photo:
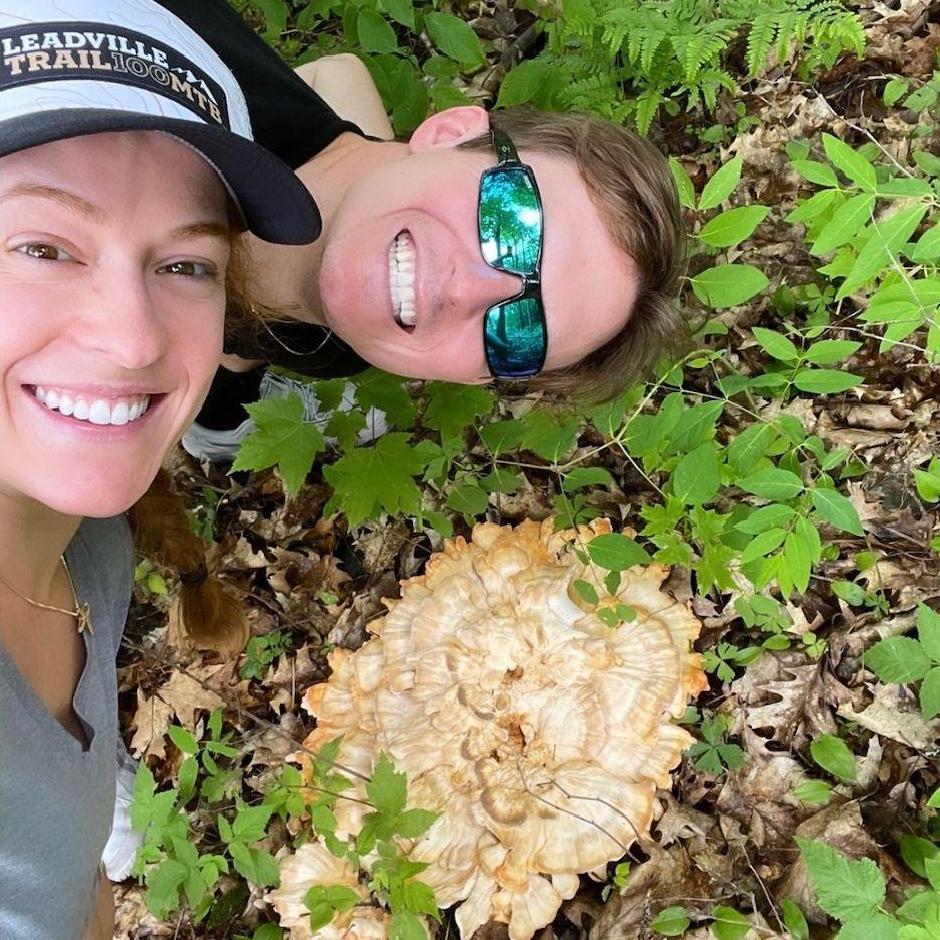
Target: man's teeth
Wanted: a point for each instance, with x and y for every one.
(97, 411)
(401, 278)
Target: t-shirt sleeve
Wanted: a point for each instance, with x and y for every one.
(287, 116)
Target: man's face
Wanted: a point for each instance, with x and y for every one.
(423, 206)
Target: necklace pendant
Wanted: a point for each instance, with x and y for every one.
(84, 618)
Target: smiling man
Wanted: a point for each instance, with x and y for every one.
(399, 277)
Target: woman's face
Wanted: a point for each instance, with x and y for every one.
(113, 250)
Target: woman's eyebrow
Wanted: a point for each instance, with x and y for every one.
(61, 196)
(202, 230)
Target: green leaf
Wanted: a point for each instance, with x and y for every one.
(468, 499)
(387, 789)
(729, 924)
(548, 435)
(502, 436)
(821, 381)
(370, 480)
(813, 792)
(275, 13)
(282, 438)
(930, 694)
(796, 557)
(586, 590)
(684, 186)
(837, 510)
(375, 35)
(834, 756)
(928, 245)
(850, 162)
(402, 11)
(895, 90)
(776, 344)
(748, 447)
(763, 545)
(760, 520)
(183, 739)
(773, 483)
(378, 389)
(794, 921)
(406, 926)
(827, 351)
(877, 927)
(727, 285)
(697, 476)
(928, 630)
(616, 552)
(848, 890)
(581, 477)
(452, 408)
(522, 83)
(887, 238)
(671, 921)
(721, 185)
(732, 226)
(914, 851)
(454, 38)
(501, 480)
(819, 173)
(847, 221)
(413, 823)
(817, 204)
(897, 659)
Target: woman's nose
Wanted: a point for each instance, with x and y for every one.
(474, 288)
(123, 322)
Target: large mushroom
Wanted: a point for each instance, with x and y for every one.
(538, 733)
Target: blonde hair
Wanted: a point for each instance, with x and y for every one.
(632, 188)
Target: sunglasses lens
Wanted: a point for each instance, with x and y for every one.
(510, 220)
(514, 334)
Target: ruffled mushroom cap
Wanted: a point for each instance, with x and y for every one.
(314, 864)
(539, 733)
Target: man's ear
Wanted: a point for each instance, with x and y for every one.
(449, 128)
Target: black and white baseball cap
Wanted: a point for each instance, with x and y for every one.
(75, 67)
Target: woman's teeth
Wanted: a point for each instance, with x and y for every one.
(97, 411)
(401, 278)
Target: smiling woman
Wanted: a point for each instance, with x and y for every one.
(122, 195)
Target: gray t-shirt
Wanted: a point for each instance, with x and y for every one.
(57, 800)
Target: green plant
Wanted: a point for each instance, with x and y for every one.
(712, 754)
(261, 651)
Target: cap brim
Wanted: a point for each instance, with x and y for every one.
(277, 207)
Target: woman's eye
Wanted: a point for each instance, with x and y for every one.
(43, 252)
(189, 269)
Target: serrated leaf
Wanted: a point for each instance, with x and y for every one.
(370, 480)
(727, 285)
(837, 510)
(846, 889)
(502, 436)
(697, 476)
(732, 226)
(834, 756)
(282, 438)
(721, 185)
(616, 552)
(452, 408)
(385, 392)
(897, 659)
(850, 162)
(387, 789)
(406, 926)
(773, 483)
(877, 927)
(501, 480)
(776, 344)
(580, 477)
(548, 435)
(454, 38)
(468, 499)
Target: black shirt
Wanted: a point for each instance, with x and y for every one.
(294, 122)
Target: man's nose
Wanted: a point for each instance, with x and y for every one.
(472, 289)
(122, 321)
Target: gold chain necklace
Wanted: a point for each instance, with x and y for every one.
(82, 612)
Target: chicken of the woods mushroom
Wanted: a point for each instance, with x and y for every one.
(537, 732)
